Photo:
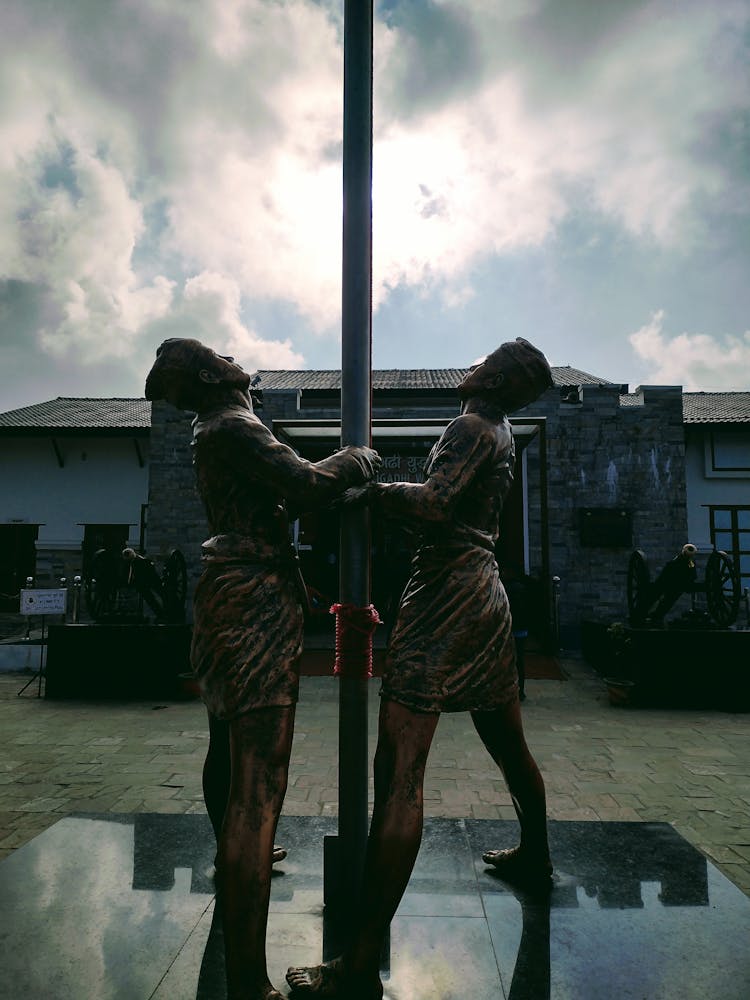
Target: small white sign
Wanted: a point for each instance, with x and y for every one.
(43, 602)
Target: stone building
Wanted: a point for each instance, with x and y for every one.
(599, 472)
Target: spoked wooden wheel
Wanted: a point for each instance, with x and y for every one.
(639, 586)
(722, 589)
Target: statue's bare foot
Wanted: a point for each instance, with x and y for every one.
(520, 869)
(331, 979)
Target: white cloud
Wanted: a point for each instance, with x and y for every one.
(74, 202)
(74, 238)
(494, 171)
(468, 181)
(273, 222)
(209, 309)
(651, 100)
(485, 174)
(221, 119)
(697, 361)
(264, 203)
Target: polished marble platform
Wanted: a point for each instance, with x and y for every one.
(98, 908)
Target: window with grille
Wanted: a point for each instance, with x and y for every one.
(730, 531)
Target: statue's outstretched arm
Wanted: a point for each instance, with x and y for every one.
(465, 446)
(255, 452)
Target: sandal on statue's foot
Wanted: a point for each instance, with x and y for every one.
(516, 868)
(331, 980)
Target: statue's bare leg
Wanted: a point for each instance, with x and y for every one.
(217, 771)
(527, 865)
(404, 741)
(260, 746)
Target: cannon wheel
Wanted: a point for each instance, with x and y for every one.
(174, 586)
(639, 583)
(722, 589)
(100, 588)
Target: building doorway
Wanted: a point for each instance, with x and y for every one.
(404, 445)
(17, 561)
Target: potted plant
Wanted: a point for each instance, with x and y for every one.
(620, 686)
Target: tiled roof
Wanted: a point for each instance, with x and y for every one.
(73, 412)
(403, 378)
(388, 378)
(716, 407)
(631, 399)
(565, 375)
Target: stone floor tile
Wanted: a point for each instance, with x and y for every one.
(690, 768)
(483, 811)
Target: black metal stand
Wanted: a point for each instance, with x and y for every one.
(40, 672)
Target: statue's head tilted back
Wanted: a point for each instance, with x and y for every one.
(514, 375)
(186, 373)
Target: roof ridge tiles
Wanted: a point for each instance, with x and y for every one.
(133, 412)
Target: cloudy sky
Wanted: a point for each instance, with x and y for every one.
(572, 171)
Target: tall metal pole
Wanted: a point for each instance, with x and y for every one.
(356, 412)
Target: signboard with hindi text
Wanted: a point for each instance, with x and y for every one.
(44, 602)
(398, 468)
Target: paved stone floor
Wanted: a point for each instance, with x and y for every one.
(687, 768)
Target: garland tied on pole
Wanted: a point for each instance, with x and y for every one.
(354, 630)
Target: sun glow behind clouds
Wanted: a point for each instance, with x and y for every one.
(205, 139)
(274, 224)
(470, 180)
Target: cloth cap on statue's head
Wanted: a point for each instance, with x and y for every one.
(183, 360)
(526, 371)
(529, 360)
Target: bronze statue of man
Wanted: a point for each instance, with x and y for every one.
(451, 650)
(248, 621)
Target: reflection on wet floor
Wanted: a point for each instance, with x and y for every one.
(122, 907)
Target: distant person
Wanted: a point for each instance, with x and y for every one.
(247, 635)
(451, 650)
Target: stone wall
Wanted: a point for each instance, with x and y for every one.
(175, 518)
(608, 461)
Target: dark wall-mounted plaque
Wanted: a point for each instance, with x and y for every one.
(606, 527)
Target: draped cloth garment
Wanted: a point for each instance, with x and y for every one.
(248, 618)
(247, 636)
(451, 648)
